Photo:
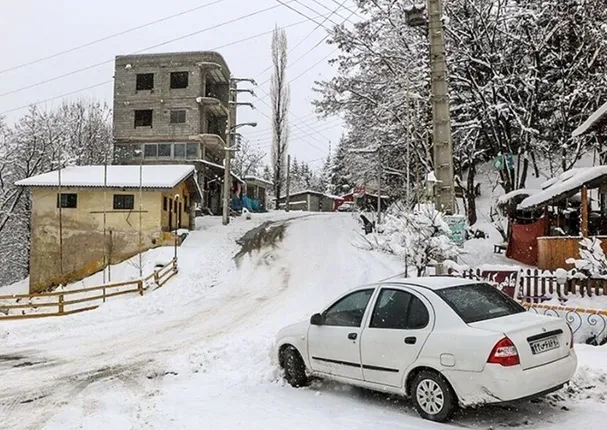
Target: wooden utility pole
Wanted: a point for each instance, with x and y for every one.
(288, 197)
(442, 144)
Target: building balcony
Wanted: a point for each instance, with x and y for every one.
(213, 105)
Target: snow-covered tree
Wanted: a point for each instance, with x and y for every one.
(248, 160)
(77, 133)
(418, 238)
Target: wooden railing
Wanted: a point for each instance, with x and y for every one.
(58, 303)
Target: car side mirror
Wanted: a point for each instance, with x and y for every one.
(316, 319)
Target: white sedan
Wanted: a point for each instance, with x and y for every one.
(444, 342)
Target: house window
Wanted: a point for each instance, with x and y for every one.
(124, 201)
(178, 116)
(150, 151)
(179, 150)
(143, 118)
(69, 201)
(165, 203)
(192, 150)
(145, 82)
(179, 80)
(164, 150)
(185, 204)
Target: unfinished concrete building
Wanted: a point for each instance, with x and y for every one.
(173, 108)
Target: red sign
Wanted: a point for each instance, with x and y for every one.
(359, 191)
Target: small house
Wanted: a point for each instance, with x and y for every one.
(367, 200)
(253, 196)
(84, 218)
(312, 201)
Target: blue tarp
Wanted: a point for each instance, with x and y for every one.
(252, 205)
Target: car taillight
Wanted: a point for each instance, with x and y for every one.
(571, 341)
(504, 353)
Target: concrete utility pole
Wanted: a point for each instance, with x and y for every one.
(288, 198)
(230, 133)
(442, 142)
(443, 148)
(379, 172)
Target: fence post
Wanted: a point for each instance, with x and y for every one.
(156, 280)
(60, 303)
(103, 294)
(140, 287)
(174, 265)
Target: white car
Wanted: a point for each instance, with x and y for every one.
(445, 342)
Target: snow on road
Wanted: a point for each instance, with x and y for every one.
(198, 352)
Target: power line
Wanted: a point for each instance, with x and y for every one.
(308, 35)
(213, 27)
(110, 81)
(269, 133)
(297, 136)
(111, 36)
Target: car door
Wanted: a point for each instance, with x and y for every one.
(400, 324)
(333, 346)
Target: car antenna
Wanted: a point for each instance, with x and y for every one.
(398, 275)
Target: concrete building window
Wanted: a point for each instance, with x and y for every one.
(143, 118)
(164, 150)
(178, 116)
(179, 80)
(124, 201)
(67, 201)
(145, 82)
(179, 150)
(150, 150)
(192, 151)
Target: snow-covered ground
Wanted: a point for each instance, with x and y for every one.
(198, 352)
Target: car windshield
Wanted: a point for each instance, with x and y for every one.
(479, 302)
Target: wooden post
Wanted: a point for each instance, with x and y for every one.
(584, 224)
(60, 303)
(156, 277)
(140, 287)
(103, 294)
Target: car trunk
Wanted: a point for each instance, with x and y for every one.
(538, 339)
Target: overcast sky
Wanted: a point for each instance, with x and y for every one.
(33, 29)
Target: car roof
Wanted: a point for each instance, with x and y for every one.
(431, 282)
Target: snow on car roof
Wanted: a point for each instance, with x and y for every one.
(158, 176)
(434, 282)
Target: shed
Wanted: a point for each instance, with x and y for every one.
(312, 201)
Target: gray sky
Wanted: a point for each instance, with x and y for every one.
(32, 29)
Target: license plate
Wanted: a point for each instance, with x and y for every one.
(544, 345)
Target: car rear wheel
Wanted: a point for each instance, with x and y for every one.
(433, 397)
(294, 367)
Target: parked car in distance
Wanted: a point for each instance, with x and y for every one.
(346, 207)
(444, 342)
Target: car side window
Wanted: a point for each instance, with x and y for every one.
(349, 311)
(399, 310)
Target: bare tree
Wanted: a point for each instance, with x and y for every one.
(280, 99)
(248, 161)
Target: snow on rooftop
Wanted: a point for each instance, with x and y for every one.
(591, 121)
(258, 179)
(564, 186)
(502, 200)
(164, 176)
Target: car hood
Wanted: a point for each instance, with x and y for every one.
(298, 329)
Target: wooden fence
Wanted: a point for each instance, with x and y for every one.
(532, 285)
(61, 303)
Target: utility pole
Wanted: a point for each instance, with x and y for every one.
(442, 141)
(227, 176)
(379, 172)
(443, 149)
(288, 198)
(233, 104)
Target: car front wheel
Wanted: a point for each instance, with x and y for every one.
(433, 397)
(294, 367)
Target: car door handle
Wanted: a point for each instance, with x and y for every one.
(410, 340)
(352, 336)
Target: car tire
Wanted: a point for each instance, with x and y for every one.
(294, 368)
(433, 397)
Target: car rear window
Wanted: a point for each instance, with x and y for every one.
(479, 302)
